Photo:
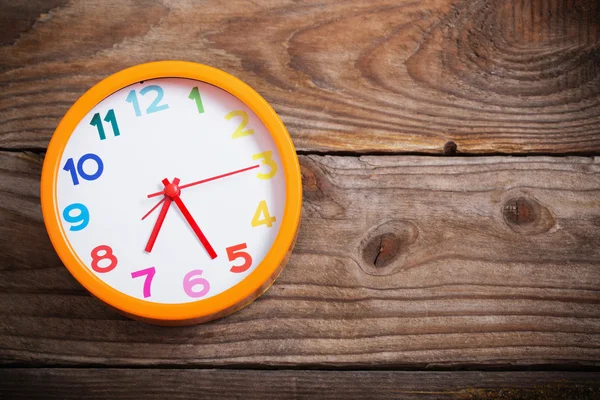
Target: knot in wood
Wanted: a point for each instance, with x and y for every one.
(384, 249)
(519, 211)
(527, 216)
(381, 250)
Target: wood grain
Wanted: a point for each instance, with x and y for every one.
(432, 76)
(116, 383)
(486, 261)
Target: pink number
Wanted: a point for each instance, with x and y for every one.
(235, 252)
(192, 279)
(149, 272)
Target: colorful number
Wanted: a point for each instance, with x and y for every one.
(152, 108)
(70, 167)
(132, 98)
(110, 117)
(192, 279)
(235, 252)
(262, 209)
(83, 217)
(195, 95)
(267, 157)
(239, 132)
(108, 255)
(149, 273)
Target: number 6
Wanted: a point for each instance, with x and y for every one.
(192, 279)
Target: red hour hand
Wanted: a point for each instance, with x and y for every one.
(161, 217)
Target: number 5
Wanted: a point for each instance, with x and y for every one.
(235, 252)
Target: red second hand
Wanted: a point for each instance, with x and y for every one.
(207, 180)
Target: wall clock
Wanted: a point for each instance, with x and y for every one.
(172, 191)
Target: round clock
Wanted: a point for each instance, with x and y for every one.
(172, 191)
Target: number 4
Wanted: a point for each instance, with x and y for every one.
(267, 220)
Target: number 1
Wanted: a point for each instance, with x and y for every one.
(195, 95)
(149, 272)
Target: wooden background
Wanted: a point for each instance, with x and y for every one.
(450, 241)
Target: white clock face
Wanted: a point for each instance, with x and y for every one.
(220, 164)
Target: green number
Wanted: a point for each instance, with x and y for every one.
(195, 95)
(97, 122)
(110, 117)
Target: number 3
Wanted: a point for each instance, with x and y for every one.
(267, 157)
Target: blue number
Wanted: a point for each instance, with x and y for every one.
(99, 166)
(70, 166)
(154, 107)
(132, 98)
(83, 218)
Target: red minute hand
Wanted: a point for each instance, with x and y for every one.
(194, 225)
(207, 180)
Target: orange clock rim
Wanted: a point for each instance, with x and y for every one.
(253, 284)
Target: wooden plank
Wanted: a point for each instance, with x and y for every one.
(429, 76)
(116, 383)
(400, 261)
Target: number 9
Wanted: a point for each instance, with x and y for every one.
(83, 218)
(192, 279)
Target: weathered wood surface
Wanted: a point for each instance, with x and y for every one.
(116, 383)
(492, 76)
(401, 261)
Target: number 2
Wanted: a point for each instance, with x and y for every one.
(149, 273)
(235, 252)
(239, 131)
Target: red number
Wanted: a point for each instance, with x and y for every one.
(107, 255)
(235, 252)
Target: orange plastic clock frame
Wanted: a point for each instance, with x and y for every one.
(202, 310)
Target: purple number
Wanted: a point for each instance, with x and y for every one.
(149, 272)
(192, 279)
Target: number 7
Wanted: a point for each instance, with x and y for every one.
(149, 272)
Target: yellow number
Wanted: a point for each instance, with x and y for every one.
(262, 209)
(267, 157)
(239, 131)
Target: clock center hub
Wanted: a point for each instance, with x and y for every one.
(172, 190)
